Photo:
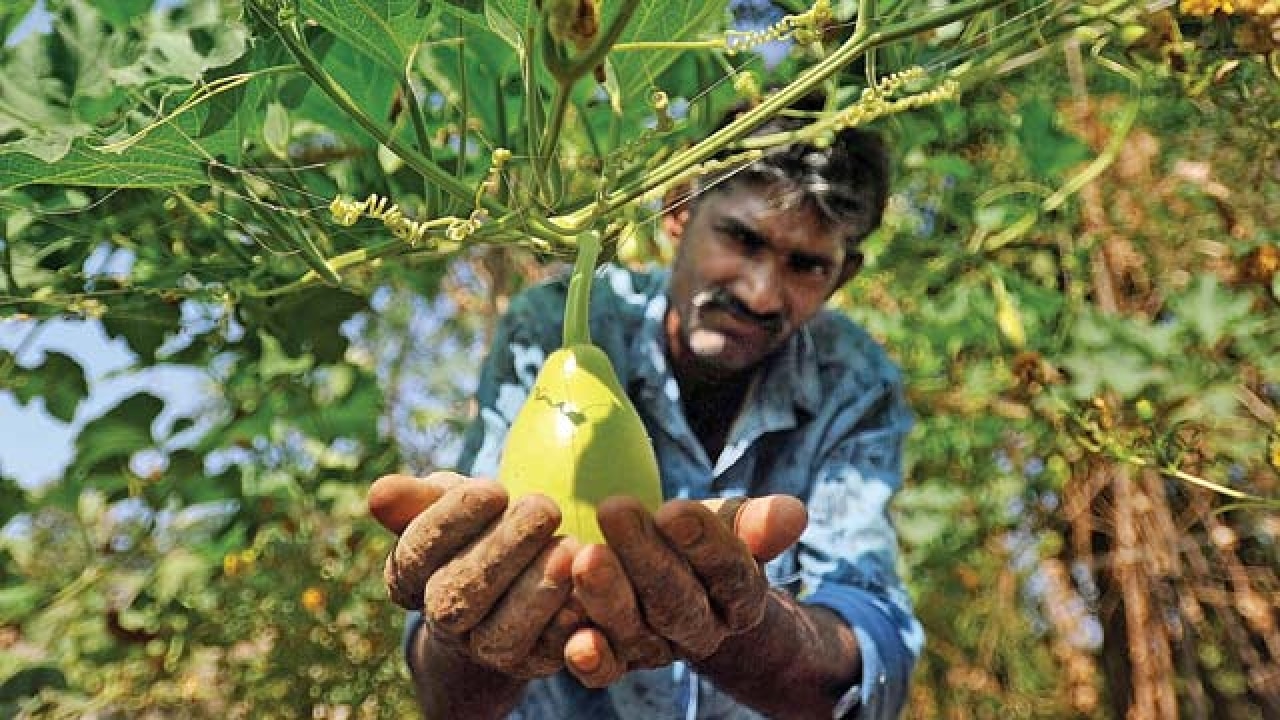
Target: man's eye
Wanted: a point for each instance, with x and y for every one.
(814, 267)
(747, 241)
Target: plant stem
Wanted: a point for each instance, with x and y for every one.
(567, 76)
(604, 42)
(546, 148)
(297, 46)
(862, 26)
(669, 45)
(338, 263)
(464, 109)
(532, 110)
(577, 315)
(430, 193)
(13, 287)
(1112, 150)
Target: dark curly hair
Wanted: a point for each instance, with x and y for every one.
(846, 182)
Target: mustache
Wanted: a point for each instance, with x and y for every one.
(719, 298)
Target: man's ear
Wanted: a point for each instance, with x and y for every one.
(676, 207)
(852, 264)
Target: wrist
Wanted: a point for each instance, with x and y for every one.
(771, 644)
(451, 683)
(799, 661)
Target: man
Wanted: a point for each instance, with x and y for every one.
(751, 391)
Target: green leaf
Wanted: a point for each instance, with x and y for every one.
(948, 165)
(355, 417)
(1048, 149)
(36, 112)
(167, 157)
(70, 90)
(144, 333)
(679, 21)
(386, 30)
(372, 91)
(179, 570)
(17, 602)
(59, 380)
(187, 478)
(13, 501)
(237, 110)
(470, 6)
(276, 362)
(1212, 311)
(1124, 370)
(107, 443)
(30, 681)
(509, 19)
(123, 12)
(311, 322)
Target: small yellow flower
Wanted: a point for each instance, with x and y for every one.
(1203, 7)
(313, 599)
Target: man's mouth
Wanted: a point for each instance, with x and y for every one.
(741, 321)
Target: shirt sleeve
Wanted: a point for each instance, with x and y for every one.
(848, 555)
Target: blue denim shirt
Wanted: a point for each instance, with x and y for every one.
(824, 420)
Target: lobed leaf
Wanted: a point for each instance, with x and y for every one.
(385, 31)
(670, 22)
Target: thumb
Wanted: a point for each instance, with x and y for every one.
(395, 500)
(767, 525)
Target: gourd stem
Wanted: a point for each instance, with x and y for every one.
(577, 328)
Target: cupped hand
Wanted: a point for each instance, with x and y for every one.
(493, 582)
(675, 583)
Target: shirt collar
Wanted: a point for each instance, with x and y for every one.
(794, 374)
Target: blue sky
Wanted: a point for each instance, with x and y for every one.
(34, 447)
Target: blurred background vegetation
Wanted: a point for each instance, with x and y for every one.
(1080, 275)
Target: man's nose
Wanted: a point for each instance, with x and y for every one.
(761, 286)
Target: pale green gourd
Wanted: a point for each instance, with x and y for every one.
(578, 439)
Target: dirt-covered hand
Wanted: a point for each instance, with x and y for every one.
(675, 583)
(492, 581)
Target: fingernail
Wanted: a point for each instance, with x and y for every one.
(587, 661)
(684, 531)
(650, 650)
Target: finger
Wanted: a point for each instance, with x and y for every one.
(462, 592)
(589, 657)
(671, 598)
(395, 500)
(601, 585)
(437, 534)
(729, 573)
(505, 638)
(547, 656)
(768, 525)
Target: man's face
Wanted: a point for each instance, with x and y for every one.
(747, 275)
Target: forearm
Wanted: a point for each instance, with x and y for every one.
(450, 685)
(796, 663)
